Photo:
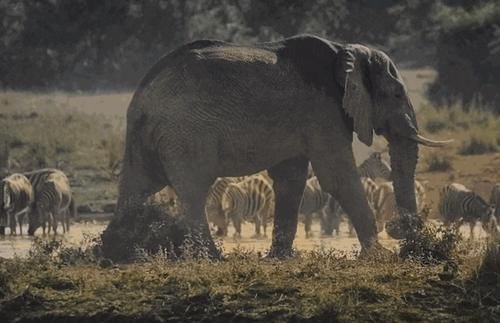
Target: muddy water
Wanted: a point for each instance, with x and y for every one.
(19, 245)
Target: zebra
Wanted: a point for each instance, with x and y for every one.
(16, 200)
(317, 201)
(53, 200)
(213, 205)
(375, 167)
(331, 218)
(459, 204)
(369, 187)
(252, 198)
(420, 196)
(384, 204)
(495, 200)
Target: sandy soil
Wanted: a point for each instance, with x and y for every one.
(11, 246)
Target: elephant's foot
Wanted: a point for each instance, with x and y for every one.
(281, 249)
(279, 254)
(199, 245)
(376, 252)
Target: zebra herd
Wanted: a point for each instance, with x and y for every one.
(235, 199)
(43, 195)
(251, 198)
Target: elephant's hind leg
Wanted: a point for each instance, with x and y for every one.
(289, 179)
(192, 189)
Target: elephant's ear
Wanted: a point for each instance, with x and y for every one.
(357, 101)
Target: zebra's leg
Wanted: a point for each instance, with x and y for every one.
(66, 220)
(257, 218)
(44, 224)
(62, 217)
(20, 220)
(289, 179)
(307, 224)
(267, 217)
(471, 227)
(237, 225)
(67, 223)
(12, 223)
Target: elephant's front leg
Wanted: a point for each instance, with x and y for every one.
(338, 176)
(289, 179)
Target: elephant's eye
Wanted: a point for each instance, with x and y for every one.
(398, 95)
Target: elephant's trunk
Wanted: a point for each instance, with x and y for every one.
(404, 155)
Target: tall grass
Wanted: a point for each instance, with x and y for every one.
(57, 136)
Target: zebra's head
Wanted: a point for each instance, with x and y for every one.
(376, 167)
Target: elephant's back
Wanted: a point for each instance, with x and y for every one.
(171, 58)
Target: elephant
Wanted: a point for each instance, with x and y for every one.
(217, 109)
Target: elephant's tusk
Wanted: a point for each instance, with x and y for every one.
(429, 142)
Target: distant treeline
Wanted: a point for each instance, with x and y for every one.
(108, 45)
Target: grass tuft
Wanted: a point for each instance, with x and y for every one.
(438, 163)
(479, 144)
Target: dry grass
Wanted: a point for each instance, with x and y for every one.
(54, 133)
(322, 285)
(436, 162)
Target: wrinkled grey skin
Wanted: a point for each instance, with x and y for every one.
(212, 109)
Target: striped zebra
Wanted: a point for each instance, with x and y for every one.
(369, 187)
(495, 200)
(331, 218)
(213, 205)
(384, 204)
(315, 201)
(250, 199)
(458, 204)
(375, 167)
(53, 200)
(16, 200)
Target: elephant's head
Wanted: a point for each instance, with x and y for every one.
(376, 99)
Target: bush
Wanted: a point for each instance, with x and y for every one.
(467, 49)
(430, 244)
(434, 126)
(438, 163)
(479, 144)
(489, 269)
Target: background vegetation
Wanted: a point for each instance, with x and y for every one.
(105, 45)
